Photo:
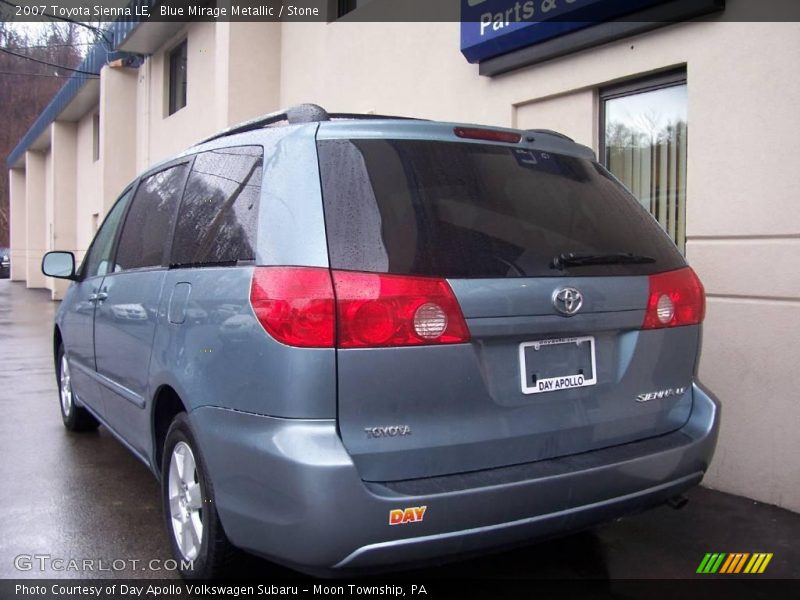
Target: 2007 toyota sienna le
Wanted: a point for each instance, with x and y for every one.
(347, 342)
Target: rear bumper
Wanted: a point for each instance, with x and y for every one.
(288, 490)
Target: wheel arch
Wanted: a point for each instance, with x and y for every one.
(58, 339)
(167, 404)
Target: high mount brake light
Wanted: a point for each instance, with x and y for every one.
(676, 298)
(304, 307)
(491, 135)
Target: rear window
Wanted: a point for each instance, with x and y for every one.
(466, 210)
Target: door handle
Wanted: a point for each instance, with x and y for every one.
(101, 296)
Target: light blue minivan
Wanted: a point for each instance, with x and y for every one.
(349, 342)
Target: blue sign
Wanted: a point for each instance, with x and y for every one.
(491, 28)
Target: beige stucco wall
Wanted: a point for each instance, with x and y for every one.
(248, 67)
(18, 232)
(49, 205)
(573, 113)
(88, 195)
(233, 75)
(162, 134)
(61, 194)
(118, 123)
(49, 187)
(412, 69)
(35, 230)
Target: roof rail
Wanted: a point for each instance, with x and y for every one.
(550, 132)
(369, 117)
(294, 115)
(302, 113)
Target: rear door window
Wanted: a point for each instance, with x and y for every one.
(468, 210)
(217, 220)
(150, 219)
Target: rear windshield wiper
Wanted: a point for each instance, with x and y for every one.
(617, 258)
(194, 265)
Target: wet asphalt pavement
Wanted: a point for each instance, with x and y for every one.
(84, 496)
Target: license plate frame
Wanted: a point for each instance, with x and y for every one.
(559, 382)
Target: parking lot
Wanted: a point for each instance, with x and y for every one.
(84, 496)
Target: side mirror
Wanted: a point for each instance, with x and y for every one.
(59, 264)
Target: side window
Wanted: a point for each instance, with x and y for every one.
(218, 216)
(149, 221)
(96, 262)
(177, 78)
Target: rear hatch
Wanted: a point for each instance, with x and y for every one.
(550, 260)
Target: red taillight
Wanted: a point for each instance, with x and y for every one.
(297, 306)
(376, 310)
(676, 298)
(492, 135)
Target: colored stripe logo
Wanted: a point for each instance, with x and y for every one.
(734, 563)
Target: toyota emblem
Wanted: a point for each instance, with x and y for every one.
(567, 301)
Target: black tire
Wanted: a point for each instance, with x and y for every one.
(215, 554)
(75, 418)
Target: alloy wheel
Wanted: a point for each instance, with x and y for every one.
(65, 388)
(185, 501)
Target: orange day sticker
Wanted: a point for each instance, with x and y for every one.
(402, 516)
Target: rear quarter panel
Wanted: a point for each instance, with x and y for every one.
(219, 355)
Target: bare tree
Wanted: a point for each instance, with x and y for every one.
(26, 87)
